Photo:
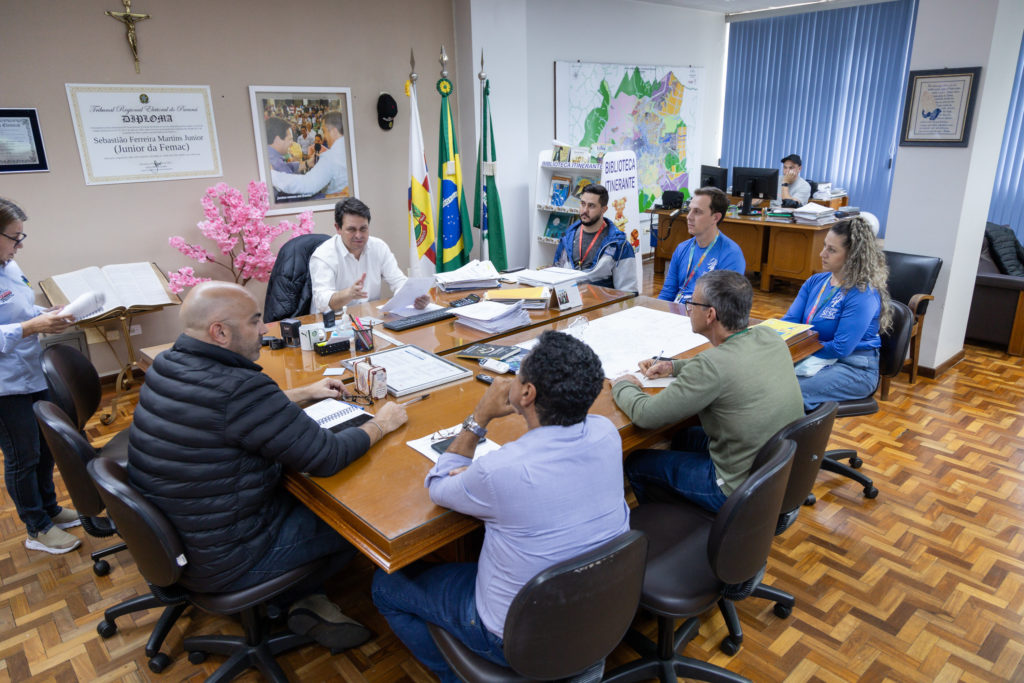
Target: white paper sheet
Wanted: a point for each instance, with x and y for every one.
(402, 303)
(422, 444)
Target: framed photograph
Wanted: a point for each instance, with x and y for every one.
(305, 146)
(940, 107)
(21, 142)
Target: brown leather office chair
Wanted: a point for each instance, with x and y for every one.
(890, 361)
(565, 620)
(911, 281)
(161, 559)
(74, 385)
(692, 561)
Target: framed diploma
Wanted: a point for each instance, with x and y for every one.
(940, 107)
(144, 133)
(21, 142)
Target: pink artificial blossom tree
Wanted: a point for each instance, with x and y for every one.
(237, 227)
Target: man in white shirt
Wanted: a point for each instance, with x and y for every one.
(330, 175)
(348, 267)
(306, 140)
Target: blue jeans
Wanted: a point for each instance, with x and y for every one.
(687, 472)
(302, 538)
(28, 464)
(441, 594)
(852, 377)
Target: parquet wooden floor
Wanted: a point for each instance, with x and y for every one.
(924, 583)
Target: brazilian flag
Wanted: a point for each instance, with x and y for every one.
(454, 239)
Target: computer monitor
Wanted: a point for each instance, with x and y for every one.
(751, 182)
(713, 176)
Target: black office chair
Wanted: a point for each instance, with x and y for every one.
(810, 433)
(565, 620)
(890, 361)
(161, 559)
(289, 290)
(72, 454)
(911, 281)
(693, 561)
(74, 385)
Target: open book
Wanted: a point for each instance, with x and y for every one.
(123, 287)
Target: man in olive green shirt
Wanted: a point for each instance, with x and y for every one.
(743, 390)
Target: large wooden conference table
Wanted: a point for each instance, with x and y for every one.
(378, 502)
(776, 249)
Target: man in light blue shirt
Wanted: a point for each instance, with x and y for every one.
(551, 495)
(706, 251)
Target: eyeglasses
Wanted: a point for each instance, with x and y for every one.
(17, 240)
(690, 304)
(358, 399)
(443, 434)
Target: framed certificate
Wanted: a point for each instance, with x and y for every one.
(940, 107)
(21, 142)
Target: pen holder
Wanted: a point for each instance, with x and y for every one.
(363, 337)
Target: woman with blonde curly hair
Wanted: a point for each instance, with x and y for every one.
(847, 305)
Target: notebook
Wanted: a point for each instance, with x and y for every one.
(336, 415)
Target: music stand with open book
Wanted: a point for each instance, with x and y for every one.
(129, 289)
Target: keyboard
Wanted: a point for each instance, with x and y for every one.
(419, 319)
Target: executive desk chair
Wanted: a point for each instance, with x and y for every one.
(74, 385)
(911, 281)
(692, 561)
(565, 620)
(72, 454)
(161, 559)
(289, 289)
(810, 433)
(890, 361)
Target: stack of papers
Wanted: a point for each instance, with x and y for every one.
(473, 275)
(532, 297)
(814, 214)
(548, 277)
(492, 317)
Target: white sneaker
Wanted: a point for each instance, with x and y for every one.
(66, 518)
(55, 541)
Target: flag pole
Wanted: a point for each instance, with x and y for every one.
(484, 237)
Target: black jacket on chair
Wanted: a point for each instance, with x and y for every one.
(289, 291)
(207, 446)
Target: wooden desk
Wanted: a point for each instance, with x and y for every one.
(291, 367)
(378, 502)
(772, 248)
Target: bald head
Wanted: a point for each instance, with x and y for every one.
(224, 314)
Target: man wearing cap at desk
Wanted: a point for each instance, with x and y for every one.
(791, 185)
(348, 267)
(706, 251)
(550, 495)
(744, 390)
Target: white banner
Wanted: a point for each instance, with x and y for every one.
(143, 133)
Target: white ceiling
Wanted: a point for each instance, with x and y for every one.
(732, 7)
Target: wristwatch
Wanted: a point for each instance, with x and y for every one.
(785, 184)
(472, 425)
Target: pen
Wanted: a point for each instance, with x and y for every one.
(414, 400)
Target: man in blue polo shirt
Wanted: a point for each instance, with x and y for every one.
(707, 250)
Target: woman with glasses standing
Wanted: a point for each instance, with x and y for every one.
(28, 465)
(847, 305)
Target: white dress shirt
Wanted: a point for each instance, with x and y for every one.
(332, 267)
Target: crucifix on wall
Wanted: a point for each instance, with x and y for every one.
(129, 19)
